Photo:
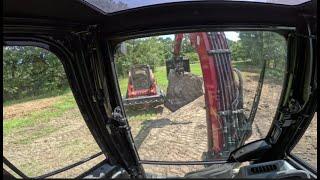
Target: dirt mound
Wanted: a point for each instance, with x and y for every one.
(182, 89)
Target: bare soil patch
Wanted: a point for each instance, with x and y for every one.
(182, 135)
(24, 109)
(68, 141)
(306, 148)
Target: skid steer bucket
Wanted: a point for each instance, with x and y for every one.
(153, 100)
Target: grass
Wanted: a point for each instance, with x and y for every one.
(66, 100)
(32, 119)
(65, 103)
(45, 131)
(30, 98)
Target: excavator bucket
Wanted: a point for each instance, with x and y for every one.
(183, 88)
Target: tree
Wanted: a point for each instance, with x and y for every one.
(152, 51)
(258, 46)
(237, 50)
(166, 49)
(187, 50)
(31, 71)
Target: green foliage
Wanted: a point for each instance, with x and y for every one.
(258, 46)
(187, 50)
(192, 56)
(31, 71)
(152, 51)
(238, 53)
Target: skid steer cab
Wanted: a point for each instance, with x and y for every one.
(142, 88)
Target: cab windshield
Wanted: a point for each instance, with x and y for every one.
(215, 92)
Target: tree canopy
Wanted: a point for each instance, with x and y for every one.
(30, 71)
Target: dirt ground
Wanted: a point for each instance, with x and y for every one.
(23, 109)
(182, 135)
(178, 136)
(68, 142)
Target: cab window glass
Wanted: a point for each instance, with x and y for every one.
(306, 149)
(201, 92)
(43, 129)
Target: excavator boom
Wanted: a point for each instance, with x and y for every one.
(225, 118)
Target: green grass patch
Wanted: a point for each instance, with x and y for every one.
(32, 119)
(123, 83)
(196, 69)
(64, 104)
(276, 75)
(39, 133)
(160, 75)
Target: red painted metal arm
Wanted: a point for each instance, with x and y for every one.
(215, 61)
(177, 45)
(210, 78)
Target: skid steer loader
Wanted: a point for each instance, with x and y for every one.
(142, 88)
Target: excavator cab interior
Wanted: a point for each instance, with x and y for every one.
(234, 83)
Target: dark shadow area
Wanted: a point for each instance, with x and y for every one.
(150, 124)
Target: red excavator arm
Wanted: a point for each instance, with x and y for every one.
(225, 118)
(177, 45)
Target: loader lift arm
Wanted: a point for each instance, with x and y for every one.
(226, 122)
